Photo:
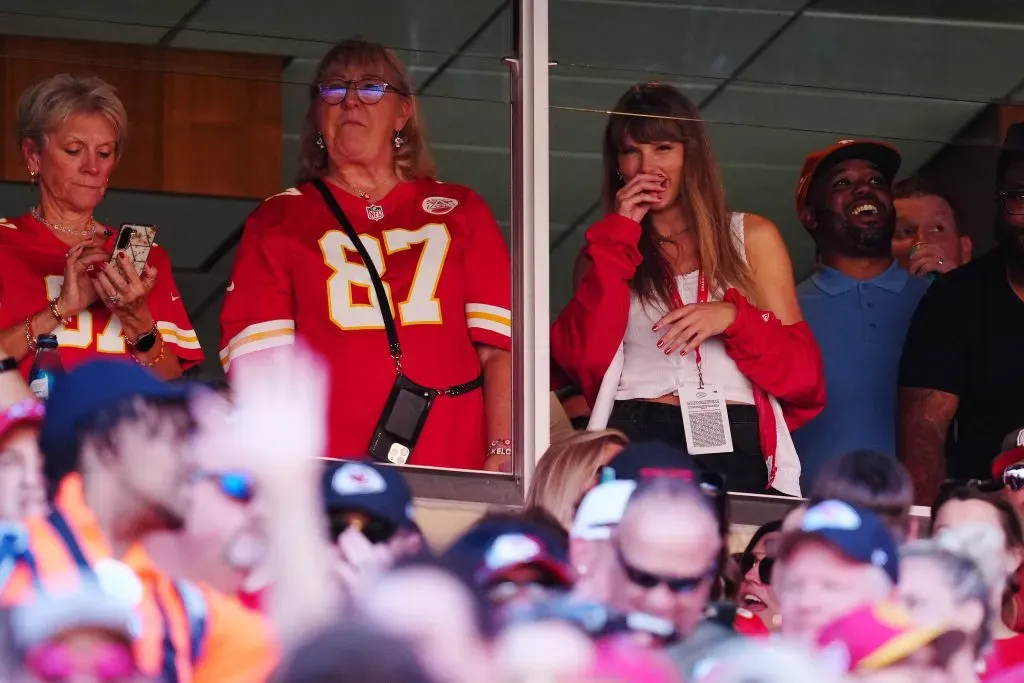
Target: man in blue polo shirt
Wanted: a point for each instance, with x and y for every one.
(858, 301)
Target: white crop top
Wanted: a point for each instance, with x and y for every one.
(648, 373)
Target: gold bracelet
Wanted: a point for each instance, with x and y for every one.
(159, 355)
(28, 335)
(55, 311)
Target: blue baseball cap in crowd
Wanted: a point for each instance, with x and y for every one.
(651, 459)
(856, 533)
(497, 546)
(374, 490)
(87, 389)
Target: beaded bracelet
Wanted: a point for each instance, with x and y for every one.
(55, 311)
(159, 355)
(500, 447)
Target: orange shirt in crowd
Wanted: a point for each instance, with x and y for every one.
(238, 645)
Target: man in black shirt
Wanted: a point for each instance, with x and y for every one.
(962, 358)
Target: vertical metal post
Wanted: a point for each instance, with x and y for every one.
(530, 237)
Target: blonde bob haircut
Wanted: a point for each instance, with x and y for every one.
(568, 469)
(44, 107)
(412, 160)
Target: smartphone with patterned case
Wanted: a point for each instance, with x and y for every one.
(136, 241)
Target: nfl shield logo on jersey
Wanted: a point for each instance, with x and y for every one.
(375, 212)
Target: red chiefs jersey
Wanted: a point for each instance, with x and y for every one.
(32, 273)
(446, 269)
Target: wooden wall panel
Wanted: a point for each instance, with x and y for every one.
(199, 122)
(229, 109)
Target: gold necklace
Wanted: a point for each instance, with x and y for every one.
(88, 232)
(374, 211)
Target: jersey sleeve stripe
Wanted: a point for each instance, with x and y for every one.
(486, 310)
(257, 337)
(185, 339)
(503, 329)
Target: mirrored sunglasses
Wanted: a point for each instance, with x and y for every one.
(237, 485)
(1013, 477)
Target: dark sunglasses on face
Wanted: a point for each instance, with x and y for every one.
(375, 530)
(1013, 477)
(764, 567)
(649, 581)
(237, 485)
(368, 90)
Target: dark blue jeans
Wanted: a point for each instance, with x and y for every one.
(744, 468)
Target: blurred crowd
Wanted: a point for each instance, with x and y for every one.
(155, 527)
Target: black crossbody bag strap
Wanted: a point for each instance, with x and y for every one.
(382, 298)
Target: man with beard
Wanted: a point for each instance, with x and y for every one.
(962, 358)
(858, 302)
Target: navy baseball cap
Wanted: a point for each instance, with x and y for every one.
(647, 460)
(855, 532)
(496, 546)
(374, 490)
(87, 389)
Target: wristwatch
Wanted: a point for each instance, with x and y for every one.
(145, 342)
(7, 364)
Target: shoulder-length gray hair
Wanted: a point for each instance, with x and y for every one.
(412, 160)
(45, 106)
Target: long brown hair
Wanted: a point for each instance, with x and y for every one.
(412, 160)
(656, 112)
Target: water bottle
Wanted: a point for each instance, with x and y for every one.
(46, 367)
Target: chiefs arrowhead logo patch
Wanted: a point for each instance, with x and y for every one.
(355, 478)
(439, 206)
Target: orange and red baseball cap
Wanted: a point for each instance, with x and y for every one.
(881, 154)
(876, 636)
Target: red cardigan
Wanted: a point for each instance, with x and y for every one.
(782, 360)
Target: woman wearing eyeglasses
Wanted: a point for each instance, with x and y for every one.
(427, 378)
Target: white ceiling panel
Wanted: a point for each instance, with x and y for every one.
(309, 27)
(163, 14)
(1001, 11)
(78, 29)
(841, 114)
(662, 37)
(874, 54)
(599, 88)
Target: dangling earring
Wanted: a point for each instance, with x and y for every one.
(320, 140)
(618, 174)
(398, 140)
(32, 177)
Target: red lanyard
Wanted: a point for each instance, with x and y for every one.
(702, 298)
